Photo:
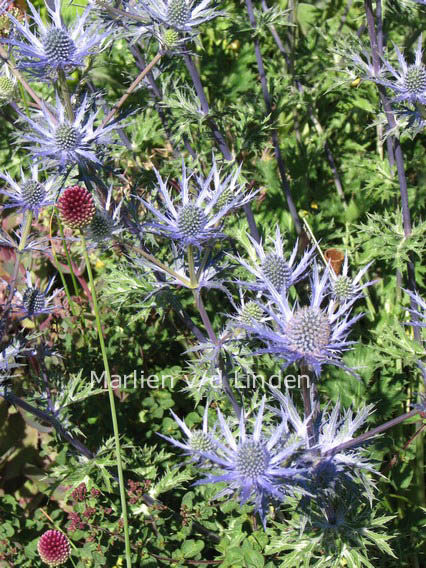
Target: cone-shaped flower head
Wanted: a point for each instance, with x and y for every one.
(409, 81)
(180, 15)
(42, 48)
(76, 207)
(53, 137)
(33, 301)
(8, 86)
(194, 216)
(30, 193)
(54, 548)
(105, 222)
(347, 289)
(314, 334)
(198, 441)
(252, 464)
(251, 311)
(272, 268)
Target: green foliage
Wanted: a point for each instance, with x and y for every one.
(320, 104)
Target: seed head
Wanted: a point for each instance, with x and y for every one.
(67, 137)
(33, 193)
(415, 79)
(54, 548)
(178, 13)
(308, 331)
(252, 459)
(251, 311)
(201, 441)
(225, 199)
(170, 38)
(191, 220)
(76, 207)
(58, 46)
(343, 288)
(7, 89)
(277, 271)
(100, 226)
(33, 300)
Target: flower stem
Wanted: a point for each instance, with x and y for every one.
(274, 132)
(371, 433)
(65, 94)
(191, 267)
(112, 405)
(132, 87)
(158, 263)
(69, 261)
(23, 241)
(217, 134)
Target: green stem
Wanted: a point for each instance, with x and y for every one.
(69, 261)
(191, 267)
(158, 263)
(112, 405)
(23, 241)
(132, 87)
(65, 94)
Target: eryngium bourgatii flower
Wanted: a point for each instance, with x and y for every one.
(332, 428)
(180, 15)
(347, 289)
(195, 215)
(409, 81)
(41, 48)
(63, 142)
(54, 547)
(252, 464)
(312, 334)
(30, 194)
(271, 268)
(76, 207)
(198, 441)
(105, 222)
(35, 302)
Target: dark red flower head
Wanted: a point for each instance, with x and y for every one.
(76, 207)
(54, 548)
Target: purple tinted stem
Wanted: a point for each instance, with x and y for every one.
(274, 133)
(217, 134)
(376, 43)
(370, 434)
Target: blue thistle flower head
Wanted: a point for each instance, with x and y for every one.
(347, 289)
(256, 466)
(271, 268)
(198, 442)
(31, 193)
(179, 15)
(195, 216)
(8, 360)
(54, 47)
(62, 142)
(311, 334)
(33, 243)
(332, 428)
(35, 302)
(105, 223)
(409, 81)
(419, 311)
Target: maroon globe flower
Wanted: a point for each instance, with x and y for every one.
(54, 548)
(76, 207)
